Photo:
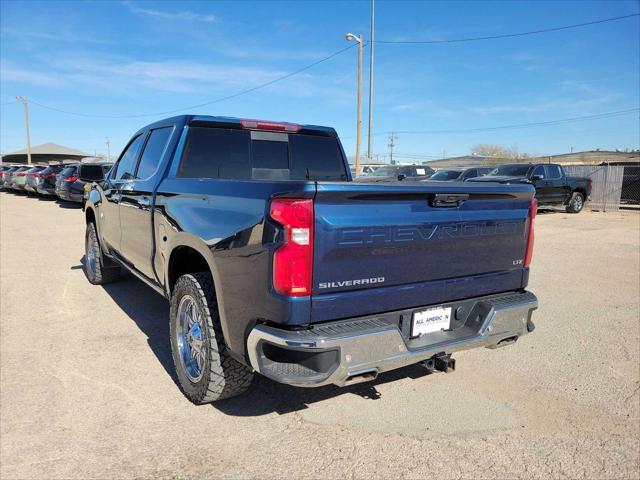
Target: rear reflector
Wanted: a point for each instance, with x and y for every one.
(533, 210)
(271, 126)
(293, 261)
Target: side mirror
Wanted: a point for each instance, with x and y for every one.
(91, 173)
(536, 178)
(402, 176)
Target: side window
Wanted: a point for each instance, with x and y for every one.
(553, 171)
(127, 164)
(471, 174)
(538, 171)
(153, 151)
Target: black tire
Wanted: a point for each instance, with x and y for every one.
(221, 375)
(576, 203)
(98, 269)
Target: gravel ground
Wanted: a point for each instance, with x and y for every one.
(87, 389)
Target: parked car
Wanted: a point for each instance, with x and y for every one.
(47, 180)
(4, 174)
(7, 176)
(275, 262)
(394, 173)
(553, 187)
(69, 187)
(92, 170)
(32, 179)
(459, 174)
(19, 178)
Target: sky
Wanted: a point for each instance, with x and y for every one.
(136, 60)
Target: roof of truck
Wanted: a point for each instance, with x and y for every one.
(234, 122)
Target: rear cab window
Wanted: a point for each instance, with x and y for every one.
(228, 153)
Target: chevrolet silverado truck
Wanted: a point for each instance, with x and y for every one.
(275, 262)
(553, 187)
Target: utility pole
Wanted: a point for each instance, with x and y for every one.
(392, 137)
(371, 45)
(358, 38)
(108, 142)
(26, 120)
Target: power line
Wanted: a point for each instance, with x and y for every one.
(525, 125)
(509, 35)
(217, 100)
(9, 103)
(512, 126)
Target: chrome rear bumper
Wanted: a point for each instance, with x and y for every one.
(338, 352)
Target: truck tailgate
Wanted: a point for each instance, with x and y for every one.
(382, 247)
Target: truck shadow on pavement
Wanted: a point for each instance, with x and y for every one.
(150, 312)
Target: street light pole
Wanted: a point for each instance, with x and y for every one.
(371, 45)
(108, 142)
(358, 38)
(26, 120)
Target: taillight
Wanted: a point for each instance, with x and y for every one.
(272, 126)
(293, 261)
(533, 210)
(20, 175)
(48, 175)
(72, 178)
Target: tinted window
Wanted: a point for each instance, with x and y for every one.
(216, 153)
(232, 154)
(538, 171)
(319, 156)
(93, 172)
(127, 163)
(266, 154)
(511, 170)
(153, 151)
(553, 171)
(445, 175)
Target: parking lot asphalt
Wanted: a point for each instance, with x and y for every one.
(87, 389)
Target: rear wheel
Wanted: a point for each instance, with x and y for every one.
(98, 269)
(576, 203)
(205, 370)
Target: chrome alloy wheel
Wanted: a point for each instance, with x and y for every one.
(577, 203)
(91, 256)
(191, 338)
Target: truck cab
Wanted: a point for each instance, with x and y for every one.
(553, 186)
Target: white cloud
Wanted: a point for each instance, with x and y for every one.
(185, 15)
(11, 73)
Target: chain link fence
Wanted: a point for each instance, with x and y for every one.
(606, 184)
(630, 194)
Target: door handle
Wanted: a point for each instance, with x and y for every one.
(144, 202)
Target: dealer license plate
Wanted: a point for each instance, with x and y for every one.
(431, 320)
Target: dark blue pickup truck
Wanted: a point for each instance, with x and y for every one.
(275, 262)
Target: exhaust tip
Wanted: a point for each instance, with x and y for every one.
(361, 377)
